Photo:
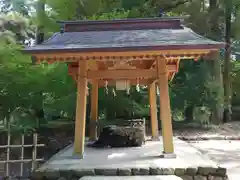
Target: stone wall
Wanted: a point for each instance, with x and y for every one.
(200, 173)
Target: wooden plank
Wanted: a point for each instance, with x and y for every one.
(34, 151)
(22, 161)
(7, 173)
(22, 156)
(171, 76)
(18, 146)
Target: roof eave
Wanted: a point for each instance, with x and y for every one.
(122, 49)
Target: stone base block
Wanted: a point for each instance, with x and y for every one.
(155, 139)
(131, 178)
(168, 155)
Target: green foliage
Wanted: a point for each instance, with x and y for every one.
(59, 92)
(192, 85)
(14, 28)
(235, 82)
(115, 14)
(126, 4)
(22, 83)
(13, 71)
(123, 105)
(75, 9)
(202, 115)
(27, 86)
(21, 6)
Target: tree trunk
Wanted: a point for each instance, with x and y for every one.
(39, 38)
(214, 20)
(40, 21)
(215, 33)
(188, 113)
(218, 109)
(227, 62)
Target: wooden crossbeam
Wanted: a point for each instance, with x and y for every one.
(132, 73)
(122, 74)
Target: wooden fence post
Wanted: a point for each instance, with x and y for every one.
(22, 155)
(34, 152)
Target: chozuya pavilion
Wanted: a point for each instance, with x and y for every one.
(122, 53)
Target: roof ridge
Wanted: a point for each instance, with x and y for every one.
(54, 35)
(122, 20)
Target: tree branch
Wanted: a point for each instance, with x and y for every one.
(171, 6)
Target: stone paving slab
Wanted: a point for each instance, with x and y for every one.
(135, 157)
(170, 177)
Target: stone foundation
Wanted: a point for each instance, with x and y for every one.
(207, 138)
(200, 173)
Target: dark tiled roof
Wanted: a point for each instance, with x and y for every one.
(132, 39)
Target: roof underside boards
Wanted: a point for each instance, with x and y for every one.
(146, 39)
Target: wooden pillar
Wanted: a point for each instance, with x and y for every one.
(153, 110)
(165, 109)
(81, 109)
(94, 111)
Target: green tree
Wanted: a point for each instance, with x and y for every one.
(227, 60)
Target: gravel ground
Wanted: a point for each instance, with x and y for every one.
(226, 129)
(225, 153)
(211, 142)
